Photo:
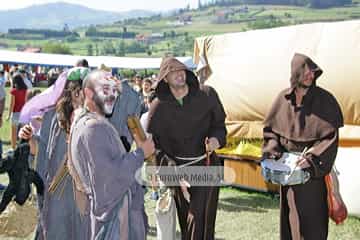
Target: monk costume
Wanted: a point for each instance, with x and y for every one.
(103, 171)
(129, 104)
(179, 128)
(59, 217)
(289, 127)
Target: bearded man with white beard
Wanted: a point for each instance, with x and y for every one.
(104, 173)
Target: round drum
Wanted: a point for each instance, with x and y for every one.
(284, 170)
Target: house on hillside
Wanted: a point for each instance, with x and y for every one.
(176, 24)
(156, 37)
(29, 49)
(244, 9)
(142, 38)
(149, 39)
(186, 19)
(222, 16)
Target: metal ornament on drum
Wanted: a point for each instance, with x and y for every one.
(284, 170)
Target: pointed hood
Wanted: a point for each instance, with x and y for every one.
(168, 65)
(319, 116)
(298, 64)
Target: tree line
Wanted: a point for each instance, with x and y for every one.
(46, 33)
(93, 32)
(310, 3)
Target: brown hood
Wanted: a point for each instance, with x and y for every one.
(168, 65)
(319, 115)
(298, 67)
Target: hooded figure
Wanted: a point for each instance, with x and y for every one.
(180, 121)
(304, 116)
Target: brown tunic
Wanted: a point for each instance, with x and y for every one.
(180, 131)
(291, 128)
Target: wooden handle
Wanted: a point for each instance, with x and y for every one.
(136, 128)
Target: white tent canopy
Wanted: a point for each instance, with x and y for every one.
(55, 60)
(248, 70)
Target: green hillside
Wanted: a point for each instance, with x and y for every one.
(175, 33)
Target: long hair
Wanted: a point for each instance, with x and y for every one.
(18, 82)
(64, 106)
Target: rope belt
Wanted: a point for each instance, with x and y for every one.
(191, 160)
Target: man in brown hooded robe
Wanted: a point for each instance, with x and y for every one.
(184, 117)
(304, 116)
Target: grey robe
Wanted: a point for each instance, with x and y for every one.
(59, 217)
(107, 173)
(129, 104)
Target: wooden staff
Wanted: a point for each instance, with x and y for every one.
(136, 129)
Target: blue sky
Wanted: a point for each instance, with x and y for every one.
(111, 5)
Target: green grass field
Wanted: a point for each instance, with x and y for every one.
(242, 215)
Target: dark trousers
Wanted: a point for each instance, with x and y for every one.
(197, 218)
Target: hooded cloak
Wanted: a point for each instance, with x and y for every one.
(290, 127)
(312, 121)
(172, 125)
(179, 129)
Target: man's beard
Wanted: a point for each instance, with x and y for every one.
(101, 104)
(303, 86)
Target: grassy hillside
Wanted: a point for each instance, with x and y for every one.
(179, 38)
(55, 15)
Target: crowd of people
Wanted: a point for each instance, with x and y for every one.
(22, 78)
(88, 158)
